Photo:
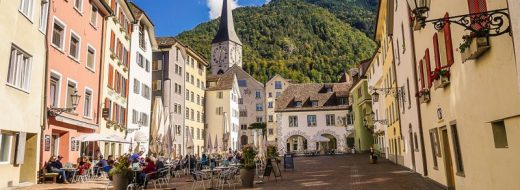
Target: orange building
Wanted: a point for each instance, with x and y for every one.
(75, 43)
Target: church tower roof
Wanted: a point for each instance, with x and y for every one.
(226, 30)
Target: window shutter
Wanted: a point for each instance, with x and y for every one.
(421, 71)
(127, 58)
(20, 148)
(113, 5)
(428, 67)
(448, 42)
(436, 51)
(110, 76)
(114, 112)
(112, 40)
(126, 91)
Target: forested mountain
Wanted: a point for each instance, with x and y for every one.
(298, 40)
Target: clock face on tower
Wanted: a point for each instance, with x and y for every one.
(234, 56)
(219, 55)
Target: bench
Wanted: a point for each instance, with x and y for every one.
(53, 176)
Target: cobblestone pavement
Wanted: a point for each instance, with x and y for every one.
(348, 172)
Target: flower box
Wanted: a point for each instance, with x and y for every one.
(441, 82)
(424, 96)
(475, 48)
(112, 56)
(119, 63)
(125, 69)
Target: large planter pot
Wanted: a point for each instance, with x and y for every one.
(120, 181)
(247, 176)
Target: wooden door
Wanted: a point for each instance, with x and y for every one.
(450, 177)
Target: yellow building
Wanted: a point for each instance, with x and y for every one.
(195, 77)
(23, 26)
(470, 103)
(273, 89)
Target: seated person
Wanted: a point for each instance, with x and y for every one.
(203, 160)
(83, 166)
(100, 165)
(54, 166)
(159, 164)
(110, 164)
(149, 168)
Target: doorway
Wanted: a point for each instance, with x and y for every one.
(450, 177)
(55, 145)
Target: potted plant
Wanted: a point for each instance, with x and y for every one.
(441, 77)
(247, 171)
(121, 172)
(474, 45)
(423, 95)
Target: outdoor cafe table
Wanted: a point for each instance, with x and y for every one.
(72, 172)
(136, 171)
(212, 172)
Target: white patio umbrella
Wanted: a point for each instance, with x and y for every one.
(156, 125)
(216, 150)
(209, 148)
(189, 146)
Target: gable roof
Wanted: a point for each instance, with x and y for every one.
(306, 93)
(224, 81)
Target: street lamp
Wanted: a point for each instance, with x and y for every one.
(375, 120)
(397, 92)
(420, 9)
(489, 23)
(53, 112)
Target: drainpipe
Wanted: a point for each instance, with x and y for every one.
(417, 103)
(45, 123)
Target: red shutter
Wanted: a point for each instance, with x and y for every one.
(127, 58)
(110, 77)
(107, 104)
(112, 41)
(126, 90)
(448, 42)
(436, 51)
(119, 50)
(428, 67)
(421, 70)
(113, 5)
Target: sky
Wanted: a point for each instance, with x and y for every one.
(171, 17)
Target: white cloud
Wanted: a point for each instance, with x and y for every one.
(215, 7)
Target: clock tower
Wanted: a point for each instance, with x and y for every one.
(226, 48)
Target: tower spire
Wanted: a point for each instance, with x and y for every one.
(226, 30)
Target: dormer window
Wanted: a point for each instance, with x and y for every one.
(298, 104)
(342, 100)
(314, 103)
(329, 89)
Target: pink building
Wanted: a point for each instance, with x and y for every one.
(75, 43)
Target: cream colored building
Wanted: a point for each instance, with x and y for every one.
(273, 89)
(471, 116)
(222, 95)
(514, 11)
(23, 26)
(195, 77)
(115, 76)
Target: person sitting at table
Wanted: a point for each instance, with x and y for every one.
(100, 165)
(149, 168)
(54, 166)
(83, 166)
(159, 164)
(203, 161)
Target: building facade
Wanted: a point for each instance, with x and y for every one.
(361, 109)
(311, 118)
(23, 25)
(273, 89)
(114, 85)
(140, 76)
(469, 102)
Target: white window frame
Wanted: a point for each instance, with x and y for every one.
(10, 147)
(30, 11)
(92, 12)
(56, 20)
(75, 84)
(75, 35)
(80, 8)
(136, 83)
(27, 71)
(44, 16)
(55, 73)
(90, 47)
(87, 89)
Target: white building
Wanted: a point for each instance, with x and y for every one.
(142, 44)
(310, 117)
(222, 113)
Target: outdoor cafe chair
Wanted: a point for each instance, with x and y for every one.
(149, 179)
(198, 180)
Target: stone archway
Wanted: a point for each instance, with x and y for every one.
(340, 140)
(282, 146)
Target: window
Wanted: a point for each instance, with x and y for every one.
(78, 4)
(26, 7)
(19, 75)
(243, 127)
(314, 103)
(93, 16)
(277, 84)
(416, 143)
(220, 111)
(220, 95)
(270, 104)
(298, 104)
(242, 83)
(187, 113)
(192, 80)
(5, 147)
(270, 95)
(74, 45)
(271, 131)
(240, 101)
(147, 65)
(87, 107)
(91, 57)
(311, 120)
(499, 134)
(270, 117)
(146, 91)
(278, 94)
(156, 85)
(71, 88)
(198, 133)
(192, 96)
(258, 94)
(137, 86)
(44, 15)
(58, 34)
(259, 119)
(198, 99)
(434, 140)
(157, 65)
(135, 116)
(144, 119)
(259, 107)
(198, 116)
(142, 42)
(330, 119)
(192, 115)
(187, 77)
(293, 121)
(456, 148)
(342, 100)
(243, 113)
(54, 90)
